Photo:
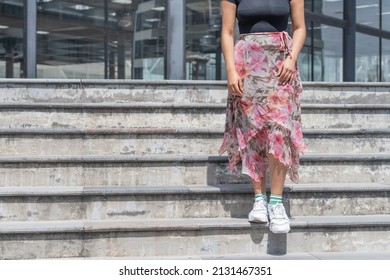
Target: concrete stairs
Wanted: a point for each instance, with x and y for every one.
(110, 169)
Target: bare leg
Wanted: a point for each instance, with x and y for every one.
(279, 221)
(259, 213)
(259, 187)
(278, 173)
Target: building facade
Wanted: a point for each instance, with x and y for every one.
(347, 40)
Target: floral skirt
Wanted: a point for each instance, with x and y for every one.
(267, 118)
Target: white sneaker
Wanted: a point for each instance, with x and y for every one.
(280, 223)
(259, 212)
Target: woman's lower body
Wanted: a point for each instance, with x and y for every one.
(263, 128)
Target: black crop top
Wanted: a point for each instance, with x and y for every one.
(262, 15)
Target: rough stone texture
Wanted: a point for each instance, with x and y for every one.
(112, 204)
(353, 93)
(177, 118)
(102, 174)
(331, 172)
(193, 143)
(114, 91)
(196, 117)
(40, 246)
(176, 243)
(374, 118)
(95, 91)
(108, 145)
(345, 124)
(125, 207)
(353, 144)
(181, 171)
(127, 244)
(201, 237)
(339, 240)
(330, 204)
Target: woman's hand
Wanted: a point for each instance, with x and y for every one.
(234, 84)
(286, 71)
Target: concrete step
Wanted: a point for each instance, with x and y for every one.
(178, 170)
(97, 91)
(369, 255)
(149, 202)
(92, 116)
(164, 115)
(109, 142)
(319, 116)
(168, 141)
(339, 141)
(345, 116)
(332, 199)
(145, 238)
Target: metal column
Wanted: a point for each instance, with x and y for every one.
(30, 39)
(349, 41)
(176, 39)
(121, 56)
(106, 46)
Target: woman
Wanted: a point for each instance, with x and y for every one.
(263, 118)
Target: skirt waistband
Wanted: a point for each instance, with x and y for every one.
(280, 40)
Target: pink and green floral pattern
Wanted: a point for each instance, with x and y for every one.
(267, 118)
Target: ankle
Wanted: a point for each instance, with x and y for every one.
(262, 195)
(275, 199)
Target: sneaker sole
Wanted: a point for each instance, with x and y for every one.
(257, 220)
(283, 229)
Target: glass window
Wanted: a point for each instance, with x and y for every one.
(308, 5)
(367, 58)
(386, 15)
(327, 62)
(304, 63)
(328, 54)
(203, 32)
(367, 12)
(333, 8)
(304, 58)
(150, 40)
(80, 39)
(11, 38)
(385, 60)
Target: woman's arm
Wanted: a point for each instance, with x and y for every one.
(299, 35)
(227, 45)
